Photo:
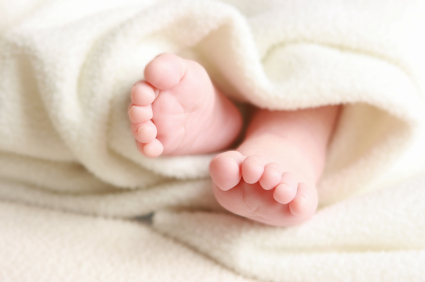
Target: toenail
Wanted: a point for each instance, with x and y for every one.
(283, 186)
(132, 106)
(255, 163)
(141, 128)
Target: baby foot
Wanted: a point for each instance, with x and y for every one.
(260, 190)
(176, 110)
(272, 176)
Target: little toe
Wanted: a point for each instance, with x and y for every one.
(305, 201)
(272, 176)
(252, 169)
(165, 71)
(152, 149)
(145, 132)
(140, 114)
(286, 190)
(225, 169)
(143, 94)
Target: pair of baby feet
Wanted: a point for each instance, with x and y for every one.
(270, 178)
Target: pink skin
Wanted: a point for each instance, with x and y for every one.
(271, 177)
(178, 111)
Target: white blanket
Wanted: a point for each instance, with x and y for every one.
(66, 68)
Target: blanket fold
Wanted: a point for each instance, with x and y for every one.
(66, 70)
(381, 241)
(43, 245)
(67, 104)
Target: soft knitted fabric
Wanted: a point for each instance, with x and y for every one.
(66, 70)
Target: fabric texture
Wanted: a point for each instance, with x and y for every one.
(66, 70)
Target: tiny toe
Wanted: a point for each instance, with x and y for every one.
(143, 94)
(252, 169)
(305, 201)
(272, 176)
(287, 189)
(140, 114)
(165, 71)
(146, 132)
(152, 149)
(225, 169)
(284, 193)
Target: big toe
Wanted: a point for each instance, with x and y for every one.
(165, 71)
(225, 169)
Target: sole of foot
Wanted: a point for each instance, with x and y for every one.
(260, 190)
(176, 110)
